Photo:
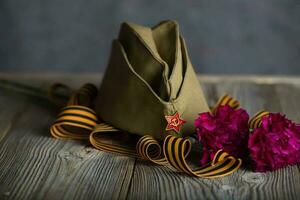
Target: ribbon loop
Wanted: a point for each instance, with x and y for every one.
(256, 120)
(149, 149)
(226, 100)
(74, 122)
(177, 149)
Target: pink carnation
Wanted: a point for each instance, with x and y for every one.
(227, 130)
(275, 144)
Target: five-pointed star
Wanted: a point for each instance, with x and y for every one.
(174, 122)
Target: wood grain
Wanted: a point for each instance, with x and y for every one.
(35, 166)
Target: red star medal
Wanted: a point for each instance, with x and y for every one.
(174, 122)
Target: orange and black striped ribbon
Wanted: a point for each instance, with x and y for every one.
(176, 150)
(226, 100)
(78, 120)
(256, 120)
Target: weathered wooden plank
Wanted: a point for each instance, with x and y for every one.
(34, 165)
(9, 112)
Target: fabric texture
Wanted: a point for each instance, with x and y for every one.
(149, 76)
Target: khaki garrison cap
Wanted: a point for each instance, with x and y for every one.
(150, 87)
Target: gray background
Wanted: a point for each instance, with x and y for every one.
(223, 36)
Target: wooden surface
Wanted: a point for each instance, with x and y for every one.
(33, 165)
